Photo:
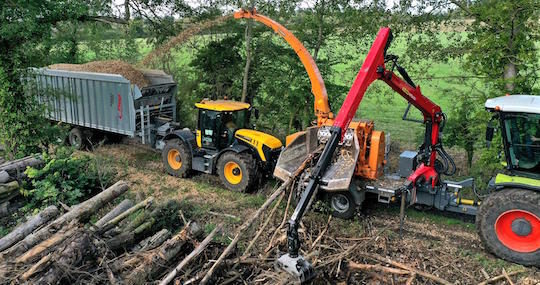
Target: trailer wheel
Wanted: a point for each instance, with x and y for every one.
(176, 158)
(237, 171)
(508, 223)
(342, 203)
(76, 138)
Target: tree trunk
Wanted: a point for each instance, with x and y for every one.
(17, 166)
(154, 241)
(119, 209)
(248, 36)
(27, 228)
(48, 244)
(4, 176)
(320, 30)
(80, 248)
(79, 212)
(160, 257)
(510, 70)
(8, 187)
(127, 13)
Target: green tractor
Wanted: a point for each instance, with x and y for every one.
(508, 220)
(223, 144)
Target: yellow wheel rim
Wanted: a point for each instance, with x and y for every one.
(232, 172)
(174, 159)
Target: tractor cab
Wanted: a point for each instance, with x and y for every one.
(218, 121)
(519, 119)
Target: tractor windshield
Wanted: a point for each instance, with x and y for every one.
(523, 139)
(235, 120)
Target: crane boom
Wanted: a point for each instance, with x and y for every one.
(322, 108)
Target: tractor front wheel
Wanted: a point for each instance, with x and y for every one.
(176, 158)
(508, 223)
(237, 171)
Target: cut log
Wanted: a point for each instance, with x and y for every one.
(18, 166)
(4, 176)
(79, 212)
(109, 225)
(127, 239)
(27, 228)
(39, 266)
(8, 187)
(9, 207)
(154, 241)
(119, 209)
(198, 250)
(159, 258)
(78, 249)
(46, 245)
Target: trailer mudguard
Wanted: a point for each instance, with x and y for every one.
(185, 135)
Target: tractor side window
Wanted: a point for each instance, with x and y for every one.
(523, 137)
(208, 122)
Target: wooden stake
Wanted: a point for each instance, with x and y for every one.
(502, 276)
(377, 267)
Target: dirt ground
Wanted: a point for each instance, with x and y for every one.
(447, 247)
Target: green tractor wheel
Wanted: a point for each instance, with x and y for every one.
(508, 223)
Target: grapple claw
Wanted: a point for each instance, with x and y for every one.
(297, 267)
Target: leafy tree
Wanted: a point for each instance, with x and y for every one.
(28, 30)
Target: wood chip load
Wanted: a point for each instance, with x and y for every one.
(107, 66)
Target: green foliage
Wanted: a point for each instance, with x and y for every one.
(66, 177)
(23, 129)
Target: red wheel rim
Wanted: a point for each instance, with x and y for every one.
(519, 230)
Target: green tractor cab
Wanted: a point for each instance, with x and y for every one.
(223, 144)
(508, 220)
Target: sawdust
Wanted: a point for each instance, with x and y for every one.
(107, 66)
(182, 37)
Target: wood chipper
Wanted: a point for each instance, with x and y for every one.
(508, 220)
(223, 143)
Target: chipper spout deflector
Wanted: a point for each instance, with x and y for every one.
(339, 173)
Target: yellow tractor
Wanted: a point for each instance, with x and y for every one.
(223, 143)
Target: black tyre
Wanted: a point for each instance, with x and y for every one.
(237, 171)
(342, 204)
(508, 223)
(76, 138)
(176, 158)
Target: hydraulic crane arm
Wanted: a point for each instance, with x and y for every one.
(426, 175)
(322, 108)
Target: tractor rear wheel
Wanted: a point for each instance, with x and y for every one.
(237, 171)
(508, 223)
(176, 158)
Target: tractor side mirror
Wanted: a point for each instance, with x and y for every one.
(490, 130)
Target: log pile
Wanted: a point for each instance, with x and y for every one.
(11, 172)
(130, 244)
